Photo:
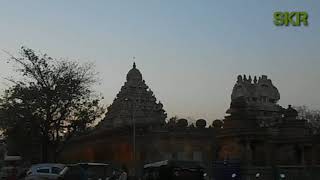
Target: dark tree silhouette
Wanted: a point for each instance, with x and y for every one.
(51, 99)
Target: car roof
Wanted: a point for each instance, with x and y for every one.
(7, 168)
(12, 158)
(47, 165)
(94, 164)
(157, 164)
(178, 163)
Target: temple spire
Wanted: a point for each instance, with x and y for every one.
(134, 63)
(134, 96)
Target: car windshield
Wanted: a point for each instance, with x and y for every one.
(43, 170)
(55, 170)
(96, 171)
(64, 170)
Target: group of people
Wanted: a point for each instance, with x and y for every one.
(123, 175)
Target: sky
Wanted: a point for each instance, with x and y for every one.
(189, 52)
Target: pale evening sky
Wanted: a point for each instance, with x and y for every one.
(189, 52)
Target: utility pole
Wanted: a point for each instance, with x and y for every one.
(133, 110)
(134, 140)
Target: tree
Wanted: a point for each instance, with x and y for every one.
(311, 115)
(51, 99)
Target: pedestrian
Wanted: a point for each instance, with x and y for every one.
(115, 175)
(124, 174)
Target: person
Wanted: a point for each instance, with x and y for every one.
(124, 174)
(115, 174)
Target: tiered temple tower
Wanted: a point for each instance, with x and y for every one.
(134, 103)
(258, 99)
(259, 132)
(258, 137)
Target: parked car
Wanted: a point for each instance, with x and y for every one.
(90, 171)
(100, 171)
(73, 172)
(174, 170)
(48, 171)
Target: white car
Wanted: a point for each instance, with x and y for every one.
(48, 171)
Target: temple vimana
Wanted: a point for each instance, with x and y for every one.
(257, 138)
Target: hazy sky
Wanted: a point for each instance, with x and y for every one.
(189, 52)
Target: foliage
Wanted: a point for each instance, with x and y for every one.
(52, 97)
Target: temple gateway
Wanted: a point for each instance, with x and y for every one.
(257, 138)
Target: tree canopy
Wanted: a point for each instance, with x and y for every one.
(51, 99)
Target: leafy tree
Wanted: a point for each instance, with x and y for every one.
(51, 99)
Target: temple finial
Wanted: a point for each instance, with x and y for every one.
(134, 63)
(255, 80)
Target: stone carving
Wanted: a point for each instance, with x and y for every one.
(182, 123)
(256, 98)
(258, 91)
(217, 124)
(135, 101)
(201, 123)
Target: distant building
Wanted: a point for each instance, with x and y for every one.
(135, 100)
(261, 98)
(258, 135)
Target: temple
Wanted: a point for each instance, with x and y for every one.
(135, 100)
(260, 97)
(260, 135)
(256, 137)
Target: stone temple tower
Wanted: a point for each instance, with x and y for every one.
(134, 103)
(256, 98)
